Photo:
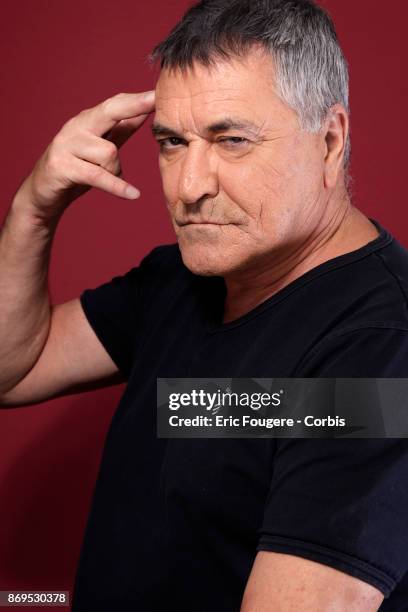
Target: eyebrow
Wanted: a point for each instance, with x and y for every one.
(158, 129)
(223, 125)
(233, 124)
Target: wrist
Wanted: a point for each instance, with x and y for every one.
(24, 209)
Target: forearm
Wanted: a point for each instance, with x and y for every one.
(25, 246)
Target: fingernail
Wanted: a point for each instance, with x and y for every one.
(131, 192)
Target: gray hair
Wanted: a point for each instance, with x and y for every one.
(311, 70)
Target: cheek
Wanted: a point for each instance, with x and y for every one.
(170, 180)
(255, 185)
(238, 181)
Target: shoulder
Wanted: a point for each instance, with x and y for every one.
(372, 289)
(158, 272)
(163, 280)
(162, 267)
(364, 328)
(163, 256)
(372, 350)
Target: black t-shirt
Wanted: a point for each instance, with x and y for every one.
(175, 524)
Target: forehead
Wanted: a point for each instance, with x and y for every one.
(240, 87)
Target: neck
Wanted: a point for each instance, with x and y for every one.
(345, 230)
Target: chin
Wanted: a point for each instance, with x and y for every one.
(204, 260)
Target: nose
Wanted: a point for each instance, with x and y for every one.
(198, 177)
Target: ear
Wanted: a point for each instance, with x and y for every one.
(335, 135)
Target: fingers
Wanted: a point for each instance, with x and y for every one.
(106, 115)
(79, 156)
(85, 173)
(85, 151)
(89, 147)
(124, 130)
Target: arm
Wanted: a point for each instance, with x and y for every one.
(286, 583)
(72, 360)
(24, 306)
(40, 343)
(334, 527)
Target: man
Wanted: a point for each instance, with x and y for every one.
(274, 273)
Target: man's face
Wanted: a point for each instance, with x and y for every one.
(243, 184)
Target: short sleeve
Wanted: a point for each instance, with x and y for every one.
(344, 502)
(114, 310)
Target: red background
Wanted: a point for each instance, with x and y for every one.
(58, 58)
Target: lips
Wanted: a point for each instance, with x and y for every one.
(201, 223)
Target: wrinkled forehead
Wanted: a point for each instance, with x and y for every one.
(240, 87)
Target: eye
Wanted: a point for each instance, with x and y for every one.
(170, 142)
(234, 141)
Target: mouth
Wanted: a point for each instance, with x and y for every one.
(201, 223)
